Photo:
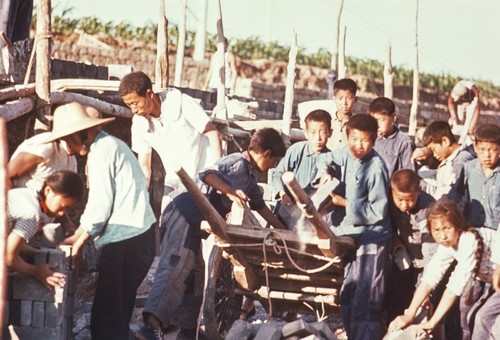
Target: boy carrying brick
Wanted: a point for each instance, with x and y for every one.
(231, 179)
(344, 96)
(362, 213)
(393, 145)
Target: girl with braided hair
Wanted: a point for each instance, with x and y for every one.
(470, 248)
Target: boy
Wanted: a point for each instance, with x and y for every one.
(440, 141)
(344, 95)
(172, 124)
(117, 217)
(300, 158)
(362, 214)
(408, 210)
(235, 177)
(394, 146)
(480, 179)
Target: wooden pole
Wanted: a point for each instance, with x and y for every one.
(43, 61)
(221, 108)
(4, 227)
(412, 129)
(388, 74)
(289, 90)
(335, 51)
(181, 43)
(161, 70)
(342, 68)
(201, 33)
(16, 108)
(99, 105)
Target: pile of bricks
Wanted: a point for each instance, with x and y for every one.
(35, 312)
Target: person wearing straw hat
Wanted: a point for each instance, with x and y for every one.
(117, 216)
(463, 103)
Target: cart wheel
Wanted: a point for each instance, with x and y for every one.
(222, 305)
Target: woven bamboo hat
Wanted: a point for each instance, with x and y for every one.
(73, 117)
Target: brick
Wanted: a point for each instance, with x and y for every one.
(54, 314)
(298, 328)
(19, 332)
(26, 313)
(239, 330)
(268, 333)
(313, 337)
(102, 73)
(38, 314)
(14, 315)
(324, 330)
(58, 257)
(27, 288)
(41, 256)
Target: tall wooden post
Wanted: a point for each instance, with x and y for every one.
(4, 228)
(201, 33)
(161, 70)
(43, 61)
(289, 90)
(342, 68)
(181, 43)
(412, 129)
(221, 109)
(335, 51)
(388, 74)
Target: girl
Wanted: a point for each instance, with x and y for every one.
(470, 248)
(28, 211)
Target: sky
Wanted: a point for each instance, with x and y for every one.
(456, 37)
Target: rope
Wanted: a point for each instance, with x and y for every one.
(38, 37)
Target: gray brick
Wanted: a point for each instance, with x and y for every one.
(14, 315)
(41, 256)
(26, 313)
(239, 330)
(298, 328)
(27, 288)
(54, 314)
(312, 337)
(58, 257)
(38, 314)
(39, 333)
(268, 333)
(324, 330)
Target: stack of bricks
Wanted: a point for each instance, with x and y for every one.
(35, 312)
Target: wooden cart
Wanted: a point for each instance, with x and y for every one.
(284, 270)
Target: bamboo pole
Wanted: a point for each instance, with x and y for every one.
(16, 108)
(43, 61)
(221, 108)
(161, 70)
(289, 89)
(201, 33)
(4, 227)
(388, 73)
(181, 43)
(16, 91)
(335, 51)
(101, 106)
(412, 129)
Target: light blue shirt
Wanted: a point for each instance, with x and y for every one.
(300, 160)
(396, 150)
(482, 205)
(118, 201)
(365, 216)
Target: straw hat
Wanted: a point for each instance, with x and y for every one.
(73, 117)
(458, 91)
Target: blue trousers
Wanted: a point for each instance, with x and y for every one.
(486, 321)
(19, 23)
(362, 294)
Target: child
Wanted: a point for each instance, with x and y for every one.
(362, 214)
(235, 177)
(480, 178)
(394, 146)
(28, 211)
(344, 95)
(300, 158)
(440, 141)
(411, 240)
(456, 242)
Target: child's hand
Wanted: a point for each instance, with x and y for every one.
(48, 278)
(338, 200)
(238, 196)
(325, 178)
(421, 331)
(285, 199)
(399, 322)
(421, 154)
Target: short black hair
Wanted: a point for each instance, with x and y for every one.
(64, 182)
(382, 105)
(345, 84)
(137, 82)
(363, 122)
(320, 116)
(487, 133)
(435, 132)
(406, 181)
(267, 139)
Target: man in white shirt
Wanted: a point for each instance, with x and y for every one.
(174, 125)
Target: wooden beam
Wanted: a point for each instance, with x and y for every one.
(43, 60)
(16, 108)
(289, 89)
(161, 70)
(4, 227)
(102, 106)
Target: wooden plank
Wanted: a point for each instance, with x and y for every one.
(280, 295)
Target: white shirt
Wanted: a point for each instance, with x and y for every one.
(465, 254)
(177, 136)
(55, 159)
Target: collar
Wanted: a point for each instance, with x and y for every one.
(392, 135)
